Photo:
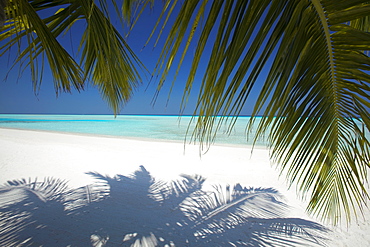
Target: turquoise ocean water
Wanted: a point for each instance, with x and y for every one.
(167, 128)
(170, 128)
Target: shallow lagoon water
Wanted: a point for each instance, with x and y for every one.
(172, 128)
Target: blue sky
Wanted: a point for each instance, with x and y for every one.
(17, 95)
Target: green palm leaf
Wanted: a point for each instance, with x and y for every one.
(311, 58)
(35, 27)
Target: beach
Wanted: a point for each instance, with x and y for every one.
(84, 160)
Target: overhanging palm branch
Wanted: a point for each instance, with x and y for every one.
(2, 12)
(137, 210)
(311, 59)
(106, 60)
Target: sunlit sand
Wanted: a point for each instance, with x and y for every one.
(143, 193)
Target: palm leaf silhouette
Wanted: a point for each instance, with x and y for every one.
(137, 210)
(25, 208)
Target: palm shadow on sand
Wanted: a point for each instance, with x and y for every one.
(137, 210)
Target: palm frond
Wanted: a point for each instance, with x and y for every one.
(103, 48)
(3, 4)
(35, 27)
(311, 59)
(25, 24)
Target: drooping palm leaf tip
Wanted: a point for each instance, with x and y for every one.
(106, 60)
(308, 62)
(3, 3)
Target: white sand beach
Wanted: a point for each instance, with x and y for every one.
(124, 213)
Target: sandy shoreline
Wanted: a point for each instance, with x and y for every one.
(70, 157)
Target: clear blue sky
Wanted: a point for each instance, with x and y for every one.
(17, 95)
